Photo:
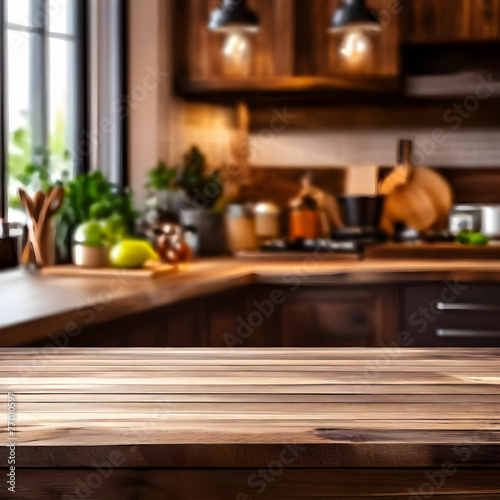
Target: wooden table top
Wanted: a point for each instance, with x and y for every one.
(239, 408)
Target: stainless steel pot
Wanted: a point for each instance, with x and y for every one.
(490, 225)
(476, 217)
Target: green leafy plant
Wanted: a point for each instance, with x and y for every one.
(204, 191)
(162, 177)
(91, 197)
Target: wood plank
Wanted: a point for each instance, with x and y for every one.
(202, 410)
(228, 485)
(447, 21)
(163, 397)
(342, 454)
(432, 251)
(317, 51)
(236, 408)
(228, 378)
(283, 85)
(476, 356)
(150, 271)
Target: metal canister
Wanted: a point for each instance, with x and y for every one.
(267, 221)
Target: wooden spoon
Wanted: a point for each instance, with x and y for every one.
(27, 202)
(31, 243)
(38, 201)
(33, 240)
(51, 205)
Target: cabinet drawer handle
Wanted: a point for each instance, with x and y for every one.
(442, 306)
(452, 333)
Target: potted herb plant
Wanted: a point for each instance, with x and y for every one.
(95, 214)
(204, 212)
(161, 186)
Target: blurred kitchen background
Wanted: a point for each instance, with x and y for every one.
(265, 111)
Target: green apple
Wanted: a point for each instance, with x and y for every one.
(115, 228)
(89, 234)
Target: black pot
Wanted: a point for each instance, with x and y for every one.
(210, 228)
(10, 242)
(361, 211)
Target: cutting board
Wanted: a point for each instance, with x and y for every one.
(433, 251)
(147, 272)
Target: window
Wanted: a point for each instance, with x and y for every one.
(44, 92)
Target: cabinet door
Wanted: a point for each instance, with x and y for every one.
(452, 314)
(293, 41)
(445, 21)
(233, 320)
(199, 50)
(334, 318)
(317, 51)
(179, 325)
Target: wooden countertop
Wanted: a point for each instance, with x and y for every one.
(33, 306)
(221, 408)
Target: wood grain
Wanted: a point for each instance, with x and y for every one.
(385, 114)
(203, 423)
(219, 397)
(445, 21)
(230, 485)
(280, 185)
(432, 251)
(317, 51)
(292, 53)
(155, 270)
(203, 56)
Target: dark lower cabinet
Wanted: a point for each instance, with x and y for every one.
(333, 318)
(452, 314)
(319, 316)
(240, 319)
(179, 325)
(437, 314)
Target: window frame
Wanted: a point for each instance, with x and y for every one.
(3, 114)
(39, 100)
(83, 75)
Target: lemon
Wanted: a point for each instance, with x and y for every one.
(131, 254)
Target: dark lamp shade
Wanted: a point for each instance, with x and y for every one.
(234, 15)
(353, 14)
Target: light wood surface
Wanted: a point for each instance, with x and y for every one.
(381, 403)
(152, 270)
(33, 306)
(198, 423)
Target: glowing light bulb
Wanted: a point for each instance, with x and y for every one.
(355, 45)
(237, 54)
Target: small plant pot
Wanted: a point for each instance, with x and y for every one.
(90, 257)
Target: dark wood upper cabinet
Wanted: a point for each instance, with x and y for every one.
(317, 52)
(293, 52)
(272, 47)
(449, 21)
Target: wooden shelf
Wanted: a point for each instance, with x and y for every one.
(287, 85)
